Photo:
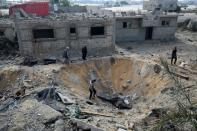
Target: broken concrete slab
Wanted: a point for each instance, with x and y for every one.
(40, 112)
(4, 122)
(120, 129)
(51, 93)
(59, 125)
(80, 125)
(66, 100)
(9, 103)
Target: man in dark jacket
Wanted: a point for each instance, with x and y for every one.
(66, 55)
(84, 53)
(174, 56)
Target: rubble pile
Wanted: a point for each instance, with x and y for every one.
(51, 97)
(8, 48)
(132, 94)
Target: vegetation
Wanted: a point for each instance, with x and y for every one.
(186, 110)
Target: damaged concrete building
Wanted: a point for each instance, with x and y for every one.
(165, 5)
(149, 26)
(46, 37)
(96, 28)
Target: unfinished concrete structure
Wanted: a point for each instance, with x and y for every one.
(146, 27)
(165, 5)
(46, 37)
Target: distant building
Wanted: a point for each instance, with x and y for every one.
(38, 8)
(164, 5)
(2, 3)
(146, 27)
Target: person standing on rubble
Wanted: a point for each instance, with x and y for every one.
(84, 53)
(174, 55)
(92, 89)
(66, 55)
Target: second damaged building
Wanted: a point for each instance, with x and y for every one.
(149, 26)
(45, 37)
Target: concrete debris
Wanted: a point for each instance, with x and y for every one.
(8, 104)
(49, 61)
(32, 114)
(46, 113)
(59, 125)
(64, 99)
(95, 113)
(118, 101)
(157, 69)
(48, 93)
(29, 61)
(192, 25)
(169, 126)
(181, 76)
(51, 93)
(120, 129)
(80, 125)
(131, 81)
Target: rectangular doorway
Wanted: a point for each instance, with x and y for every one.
(149, 33)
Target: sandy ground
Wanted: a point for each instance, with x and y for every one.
(133, 62)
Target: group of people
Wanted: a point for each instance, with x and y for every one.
(66, 54)
(92, 90)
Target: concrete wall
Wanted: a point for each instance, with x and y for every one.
(137, 31)
(73, 9)
(97, 45)
(165, 5)
(133, 33)
(165, 32)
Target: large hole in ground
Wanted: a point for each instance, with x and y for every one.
(115, 75)
(128, 76)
